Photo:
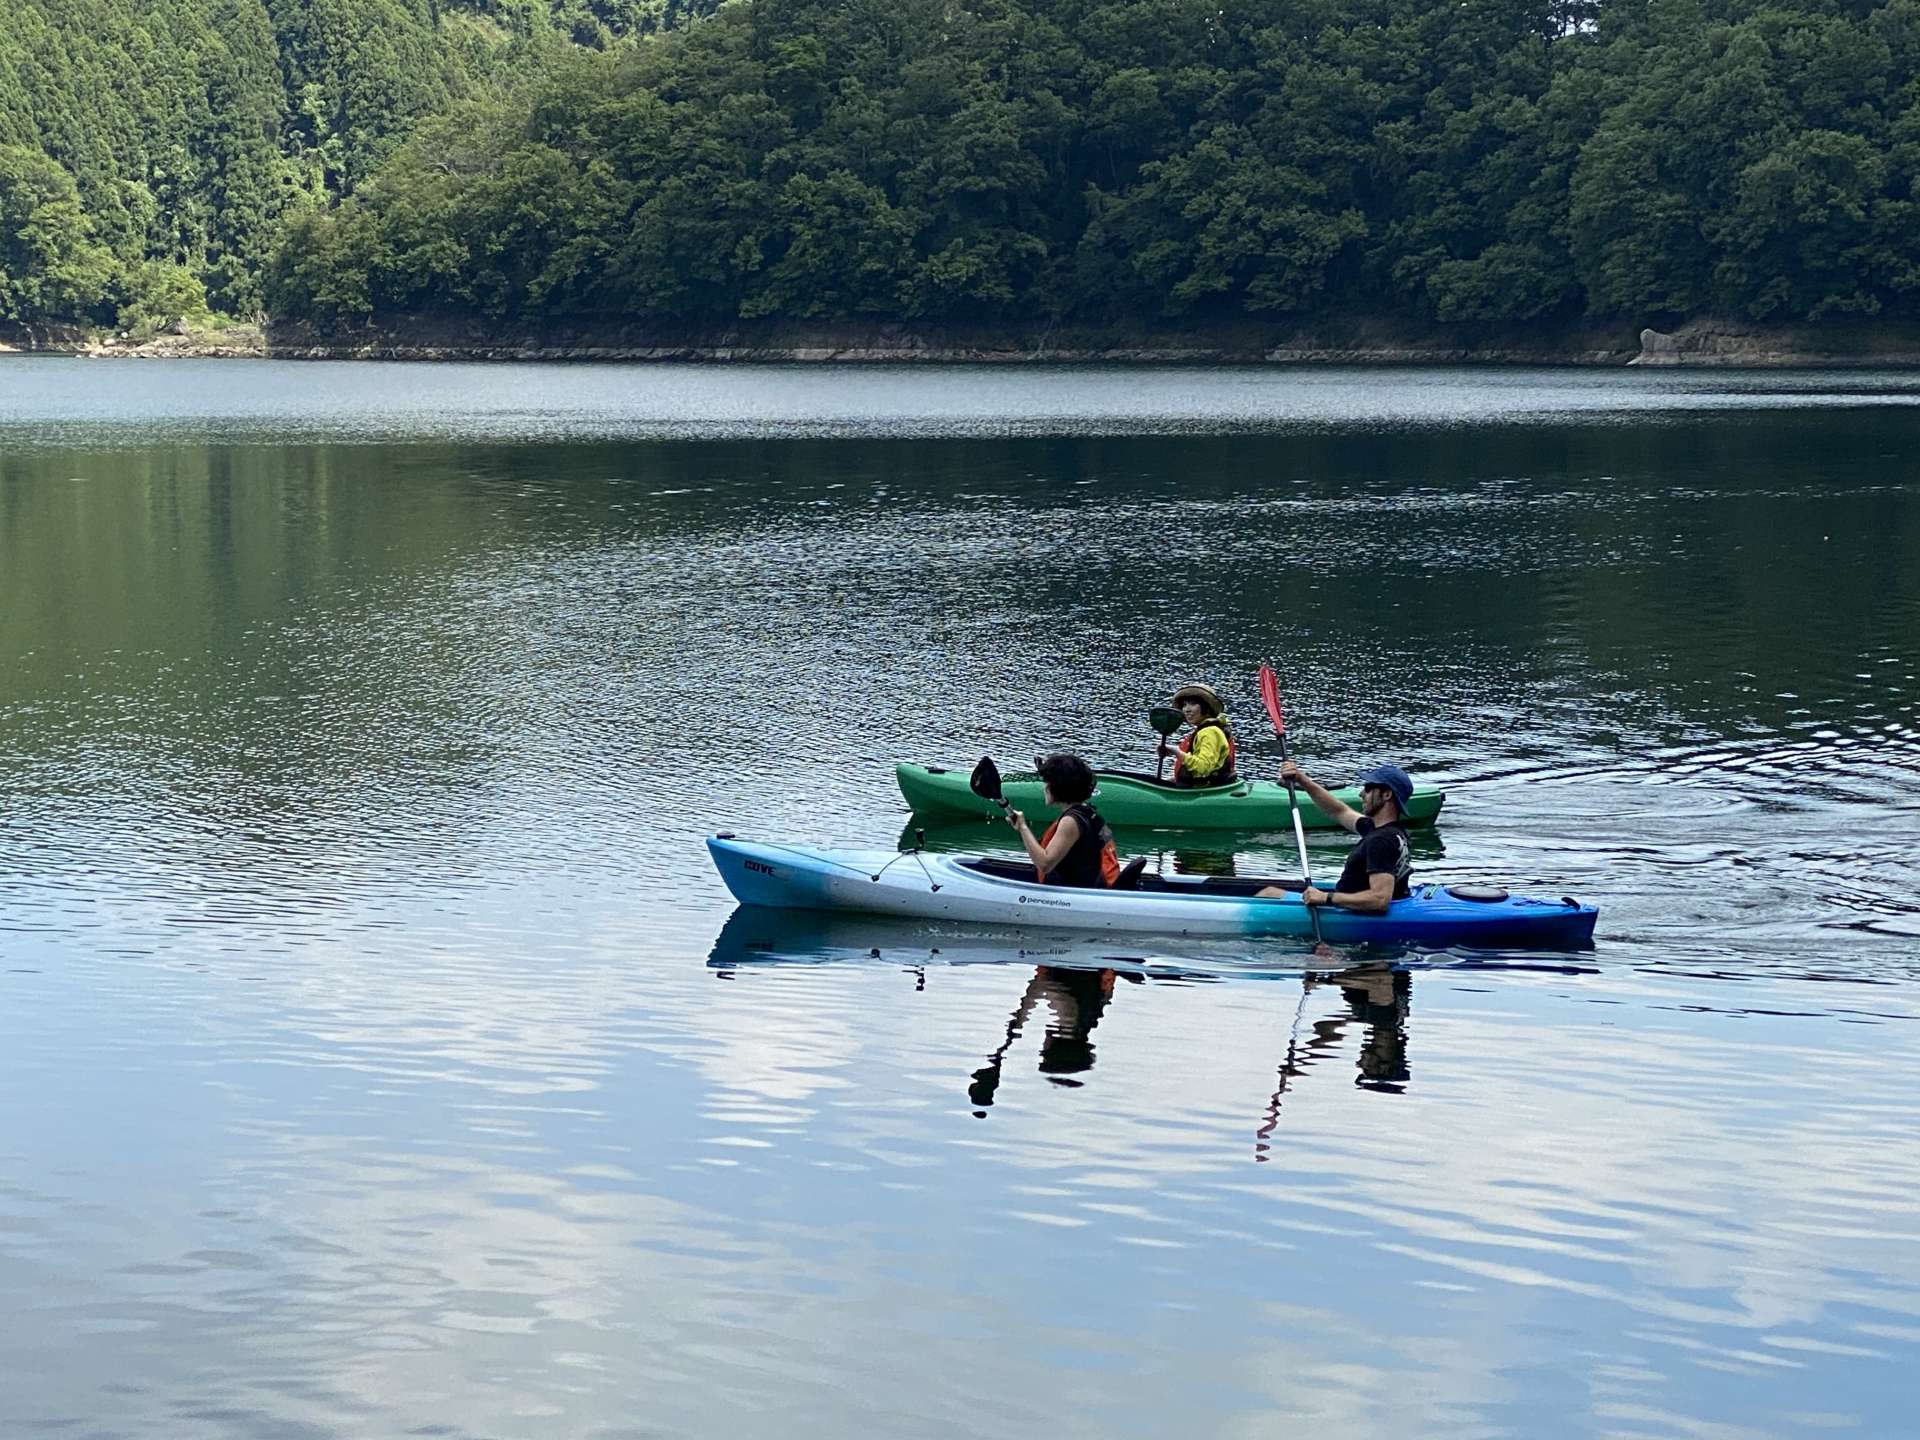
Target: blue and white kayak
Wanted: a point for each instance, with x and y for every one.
(993, 890)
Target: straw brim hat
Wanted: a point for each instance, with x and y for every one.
(1209, 698)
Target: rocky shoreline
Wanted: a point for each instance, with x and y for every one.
(1706, 342)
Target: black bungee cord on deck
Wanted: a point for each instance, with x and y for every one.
(919, 844)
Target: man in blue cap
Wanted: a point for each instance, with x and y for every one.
(1377, 868)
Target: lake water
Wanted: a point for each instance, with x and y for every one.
(378, 1055)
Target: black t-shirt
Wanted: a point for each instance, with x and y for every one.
(1382, 850)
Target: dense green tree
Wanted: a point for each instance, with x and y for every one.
(50, 265)
(157, 293)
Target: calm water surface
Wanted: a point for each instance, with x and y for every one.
(379, 1055)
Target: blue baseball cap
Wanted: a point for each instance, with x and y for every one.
(1395, 779)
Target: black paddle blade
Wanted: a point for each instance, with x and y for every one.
(985, 780)
(1165, 719)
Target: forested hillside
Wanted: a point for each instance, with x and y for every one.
(150, 150)
(961, 160)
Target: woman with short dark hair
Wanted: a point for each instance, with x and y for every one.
(1078, 847)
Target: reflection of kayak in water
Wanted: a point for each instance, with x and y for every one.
(1123, 798)
(754, 937)
(987, 890)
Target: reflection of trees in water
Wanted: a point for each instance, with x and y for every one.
(228, 591)
(208, 541)
(1204, 862)
(264, 652)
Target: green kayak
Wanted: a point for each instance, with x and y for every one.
(1140, 800)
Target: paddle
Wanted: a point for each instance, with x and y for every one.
(1165, 720)
(985, 782)
(1270, 695)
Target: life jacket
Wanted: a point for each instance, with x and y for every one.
(1227, 774)
(1092, 861)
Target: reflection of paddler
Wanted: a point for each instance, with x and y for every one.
(1378, 995)
(1381, 997)
(1077, 999)
(1206, 754)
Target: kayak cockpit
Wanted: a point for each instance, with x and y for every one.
(1160, 782)
(1141, 879)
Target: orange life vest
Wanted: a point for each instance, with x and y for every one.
(1092, 860)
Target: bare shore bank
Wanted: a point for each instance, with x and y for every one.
(1703, 342)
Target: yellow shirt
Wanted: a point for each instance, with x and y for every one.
(1206, 757)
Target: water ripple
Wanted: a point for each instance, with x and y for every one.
(382, 1058)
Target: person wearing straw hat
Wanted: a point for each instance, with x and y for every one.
(1206, 753)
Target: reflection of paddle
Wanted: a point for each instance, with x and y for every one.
(986, 1080)
(1288, 1069)
(1270, 694)
(1165, 720)
(985, 782)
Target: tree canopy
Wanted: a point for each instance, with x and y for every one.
(939, 161)
(190, 131)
